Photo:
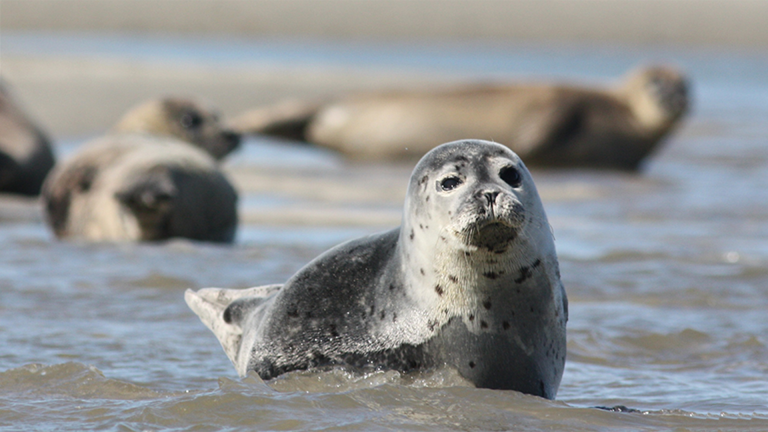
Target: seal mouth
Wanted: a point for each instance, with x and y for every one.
(494, 235)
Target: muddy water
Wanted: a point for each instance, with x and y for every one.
(666, 272)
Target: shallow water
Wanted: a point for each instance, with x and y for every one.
(666, 274)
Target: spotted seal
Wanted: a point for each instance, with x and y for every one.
(469, 280)
(553, 125)
(154, 177)
(26, 156)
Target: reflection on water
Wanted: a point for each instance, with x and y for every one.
(666, 272)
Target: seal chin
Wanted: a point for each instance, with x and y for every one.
(494, 235)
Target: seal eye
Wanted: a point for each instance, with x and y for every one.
(511, 176)
(450, 183)
(191, 120)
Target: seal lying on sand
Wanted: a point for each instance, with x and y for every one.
(140, 183)
(25, 152)
(470, 280)
(547, 125)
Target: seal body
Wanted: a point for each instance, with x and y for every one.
(546, 124)
(153, 178)
(470, 280)
(25, 151)
(137, 187)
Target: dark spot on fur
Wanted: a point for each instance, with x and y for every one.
(536, 263)
(394, 317)
(426, 226)
(491, 275)
(293, 312)
(442, 238)
(421, 226)
(382, 315)
(391, 287)
(445, 311)
(421, 270)
(334, 333)
(505, 325)
(472, 364)
(372, 310)
(427, 200)
(411, 236)
(432, 324)
(471, 317)
(483, 324)
(439, 290)
(450, 213)
(453, 278)
(423, 180)
(487, 305)
(466, 253)
(532, 311)
(525, 273)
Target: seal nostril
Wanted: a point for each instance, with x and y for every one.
(491, 197)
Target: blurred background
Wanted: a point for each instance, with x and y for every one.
(666, 268)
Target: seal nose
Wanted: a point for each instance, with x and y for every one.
(490, 197)
(232, 139)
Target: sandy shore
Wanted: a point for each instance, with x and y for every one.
(728, 22)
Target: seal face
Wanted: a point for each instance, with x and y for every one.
(185, 119)
(469, 280)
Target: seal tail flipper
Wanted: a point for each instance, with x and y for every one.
(216, 307)
(288, 119)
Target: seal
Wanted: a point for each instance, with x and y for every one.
(189, 120)
(25, 150)
(469, 280)
(551, 125)
(140, 183)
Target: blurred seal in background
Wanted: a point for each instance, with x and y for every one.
(550, 125)
(25, 151)
(154, 177)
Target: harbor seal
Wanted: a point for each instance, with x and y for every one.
(189, 120)
(26, 156)
(469, 280)
(145, 182)
(551, 125)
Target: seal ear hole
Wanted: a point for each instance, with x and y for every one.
(511, 176)
(450, 183)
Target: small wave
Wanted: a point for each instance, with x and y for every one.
(339, 379)
(70, 379)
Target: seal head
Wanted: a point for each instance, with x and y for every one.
(185, 119)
